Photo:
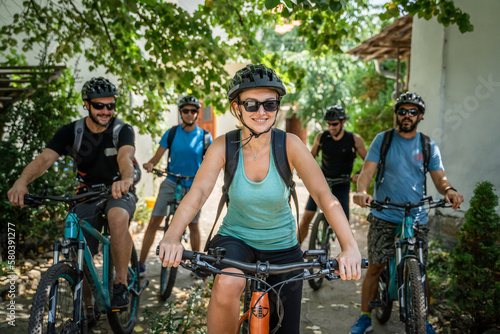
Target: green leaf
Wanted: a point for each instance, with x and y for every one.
(270, 4)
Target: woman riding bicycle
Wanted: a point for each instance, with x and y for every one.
(259, 224)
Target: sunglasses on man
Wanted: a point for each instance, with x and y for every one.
(253, 106)
(333, 123)
(187, 111)
(410, 112)
(100, 106)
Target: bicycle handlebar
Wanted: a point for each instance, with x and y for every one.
(160, 172)
(387, 204)
(36, 200)
(205, 262)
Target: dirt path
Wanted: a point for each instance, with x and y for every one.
(332, 309)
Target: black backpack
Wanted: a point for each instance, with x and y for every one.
(117, 127)
(384, 148)
(278, 142)
(171, 135)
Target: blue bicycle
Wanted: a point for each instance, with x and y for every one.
(404, 277)
(169, 274)
(58, 305)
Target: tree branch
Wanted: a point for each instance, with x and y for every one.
(106, 28)
(79, 13)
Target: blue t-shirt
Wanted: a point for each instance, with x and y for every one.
(258, 213)
(186, 153)
(403, 175)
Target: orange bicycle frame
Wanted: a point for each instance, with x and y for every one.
(258, 314)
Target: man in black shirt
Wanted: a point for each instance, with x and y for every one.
(338, 148)
(98, 162)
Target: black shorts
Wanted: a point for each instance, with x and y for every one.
(91, 212)
(341, 191)
(290, 293)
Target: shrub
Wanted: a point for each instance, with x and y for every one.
(27, 126)
(475, 260)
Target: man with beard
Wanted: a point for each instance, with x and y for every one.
(98, 162)
(403, 181)
(338, 148)
(186, 151)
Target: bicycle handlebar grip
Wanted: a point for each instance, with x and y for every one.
(364, 263)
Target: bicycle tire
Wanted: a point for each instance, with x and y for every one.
(167, 274)
(247, 298)
(414, 298)
(320, 239)
(382, 298)
(65, 277)
(123, 322)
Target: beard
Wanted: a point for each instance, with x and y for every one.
(406, 127)
(96, 121)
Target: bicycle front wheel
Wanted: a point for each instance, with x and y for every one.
(53, 305)
(414, 298)
(167, 281)
(123, 321)
(320, 239)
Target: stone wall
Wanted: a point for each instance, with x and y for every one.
(445, 228)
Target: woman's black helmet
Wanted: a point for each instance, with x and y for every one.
(335, 112)
(410, 98)
(191, 100)
(255, 76)
(98, 87)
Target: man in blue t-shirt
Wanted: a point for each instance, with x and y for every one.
(404, 181)
(186, 154)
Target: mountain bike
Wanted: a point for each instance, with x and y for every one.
(58, 305)
(169, 274)
(404, 277)
(322, 234)
(256, 315)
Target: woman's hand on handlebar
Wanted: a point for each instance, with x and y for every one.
(170, 252)
(349, 264)
(362, 199)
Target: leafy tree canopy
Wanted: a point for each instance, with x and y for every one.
(159, 50)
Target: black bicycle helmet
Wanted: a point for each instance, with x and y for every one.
(98, 87)
(334, 112)
(255, 76)
(410, 98)
(191, 100)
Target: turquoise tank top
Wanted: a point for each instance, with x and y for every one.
(259, 213)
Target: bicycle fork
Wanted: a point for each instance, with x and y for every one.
(78, 292)
(400, 263)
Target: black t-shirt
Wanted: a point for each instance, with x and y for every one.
(96, 159)
(337, 156)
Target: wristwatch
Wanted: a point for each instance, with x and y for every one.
(450, 188)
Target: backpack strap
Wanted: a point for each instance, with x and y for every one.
(426, 152)
(384, 148)
(206, 141)
(79, 127)
(232, 158)
(170, 139)
(278, 142)
(117, 127)
(323, 138)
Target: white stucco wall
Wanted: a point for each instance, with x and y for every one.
(458, 75)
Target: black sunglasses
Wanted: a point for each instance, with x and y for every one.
(192, 111)
(333, 124)
(411, 112)
(100, 106)
(253, 106)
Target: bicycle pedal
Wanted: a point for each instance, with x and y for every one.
(375, 305)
